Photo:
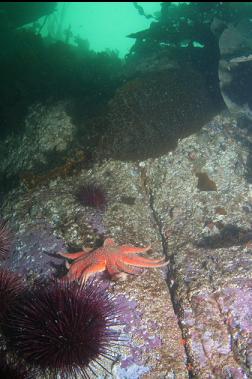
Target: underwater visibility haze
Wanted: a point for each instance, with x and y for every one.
(126, 190)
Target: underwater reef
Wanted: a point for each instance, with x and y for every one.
(144, 151)
(183, 318)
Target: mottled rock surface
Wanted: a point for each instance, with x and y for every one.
(207, 233)
(145, 118)
(49, 219)
(192, 319)
(235, 67)
(48, 132)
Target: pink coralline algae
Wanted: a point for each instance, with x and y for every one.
(219, 324)
(133, 321)
(236, 303)
(35, 251)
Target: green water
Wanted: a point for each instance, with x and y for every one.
(104, 24)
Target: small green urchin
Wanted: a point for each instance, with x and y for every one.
(63, 328)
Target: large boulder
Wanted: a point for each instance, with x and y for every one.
(149, 114)
(235, 68)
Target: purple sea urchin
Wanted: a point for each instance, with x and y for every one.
(11, 285)
(5, 240)
(91, 195)
(63, 328)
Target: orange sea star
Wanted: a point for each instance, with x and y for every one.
(111, 257)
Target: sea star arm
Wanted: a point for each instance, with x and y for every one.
(129, 270)
(77, 268)
(92, 269)
(144, 262)
(112, 268)
(72, 255)
(133, 250)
